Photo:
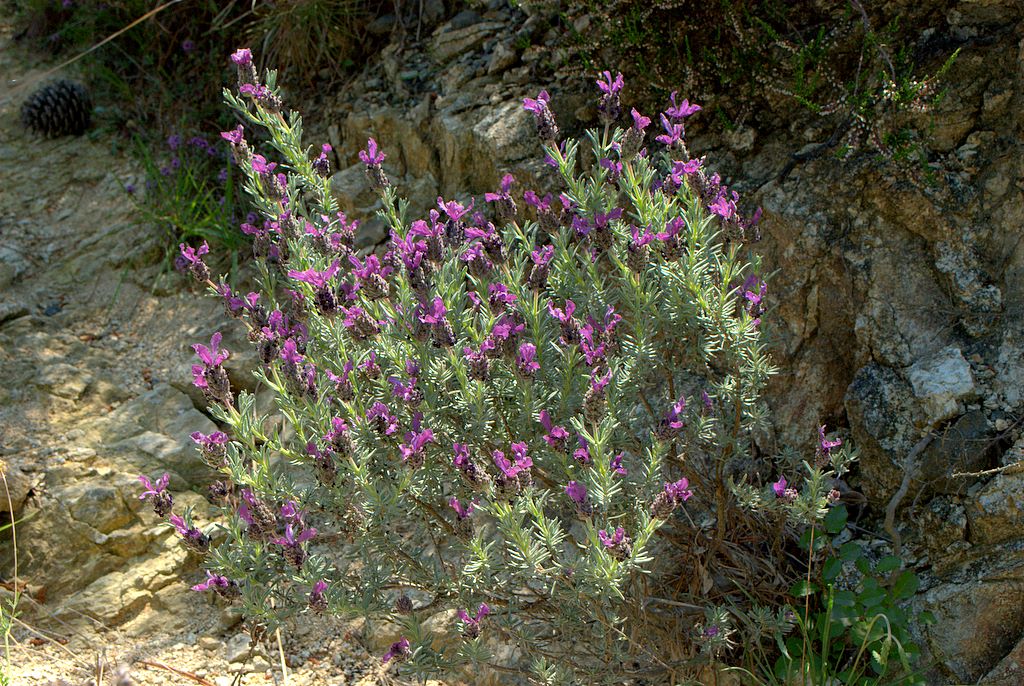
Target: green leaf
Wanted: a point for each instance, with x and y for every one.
(906, 585)
(849, 552)
(833, 567)
(888, 564)
(835, 520)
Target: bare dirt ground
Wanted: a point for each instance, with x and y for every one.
(94, 337)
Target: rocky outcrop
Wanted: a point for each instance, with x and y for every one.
(894, 300)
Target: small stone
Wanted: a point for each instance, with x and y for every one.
(501, 59)
(210, 644)
(237, 648)
(259, 664)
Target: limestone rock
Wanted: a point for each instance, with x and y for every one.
(449, 42)
(979, 612)
(15, 488)
(503, 57)
(941, 383)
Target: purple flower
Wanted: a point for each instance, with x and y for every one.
(539, 105)
(290, 353)
(291, 540)
(436, 313)
(499, 297)
(610, 541)
(398, 651)
(369, 366)
(261, 166)
(471, 628)
(461, 511)
(187, 45)
(779, 487)
(153, 489)
(212, 356)
(673, 132)
(577, 492)
(193, 538)
(214, 582)
(640, 122)
(557, 436)
(242, 57)
(678, 491)
(317, 601)
(547, 130)
(825, 445)
(609, 86)
(174, 142)
(682, 110)
(383, 421)
(672, 422)
(522, 462)
(371, 156)
(415, 440)
(562, 315)
(213, 446)
(314, 277)
(598, 383)
(524, 360)
(542, 256)
(615, 465)
(452, 208)
(194, 258)
(582, 453)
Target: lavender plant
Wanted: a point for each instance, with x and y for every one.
(489, 425)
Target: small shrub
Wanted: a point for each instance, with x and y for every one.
(495, 426)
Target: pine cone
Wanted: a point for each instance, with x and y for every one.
(58, 109)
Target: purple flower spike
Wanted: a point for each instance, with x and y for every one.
(398, 651)
(825, 445)
(412, 449)
(640, 122)
(682, 110)
(242, 57)
(214, 582)
(547, 130)
(151, 488)
(577, 492)
(615, 465)
(315, 278)
(537, 106)
(462, 511)
(471, 628)
(679, 490)
(371, 155)
(610, 86)
(617, 544)
(524, 360)
(557, 436)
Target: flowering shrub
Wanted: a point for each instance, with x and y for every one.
(491, 423)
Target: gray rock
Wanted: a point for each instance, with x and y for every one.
(449, 42)
(503, 57)
(941, 383)
(237, 648)
(11, 310)
(63, 380)
(15, 487)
